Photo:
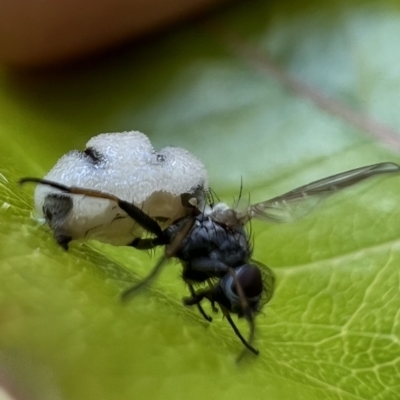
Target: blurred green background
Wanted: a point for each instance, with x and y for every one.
(332, 330)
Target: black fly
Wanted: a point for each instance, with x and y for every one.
(213, 245)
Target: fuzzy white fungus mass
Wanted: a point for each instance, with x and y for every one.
(125, 165)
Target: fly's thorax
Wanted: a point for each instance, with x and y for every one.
(224, 214)
(210, 239)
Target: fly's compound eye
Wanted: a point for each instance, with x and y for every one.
(250, 280)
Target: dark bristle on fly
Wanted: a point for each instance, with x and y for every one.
(240, 193)
(212, 197)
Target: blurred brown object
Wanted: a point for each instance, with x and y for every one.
(40, 32)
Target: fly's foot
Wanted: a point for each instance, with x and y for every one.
(214, 309)
(191, 301)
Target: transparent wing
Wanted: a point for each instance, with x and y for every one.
(299, 202)
(268, 278)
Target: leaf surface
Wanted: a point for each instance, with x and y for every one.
(332, 330)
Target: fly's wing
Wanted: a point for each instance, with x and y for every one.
(299, 202)
(268, 278)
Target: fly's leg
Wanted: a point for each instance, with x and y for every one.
(197, 296)
(210, 267)
(145, 244)
(211, 286)
(63, 240)
(208, 294)
(170, 251)
(218, 268)
(199, 307)
(238, 334)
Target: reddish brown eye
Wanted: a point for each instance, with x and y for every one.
(250, 279)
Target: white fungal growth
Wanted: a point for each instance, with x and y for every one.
(125, 165)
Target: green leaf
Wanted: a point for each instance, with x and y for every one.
(332, 329)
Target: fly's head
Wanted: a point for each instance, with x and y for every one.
(249, 281)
